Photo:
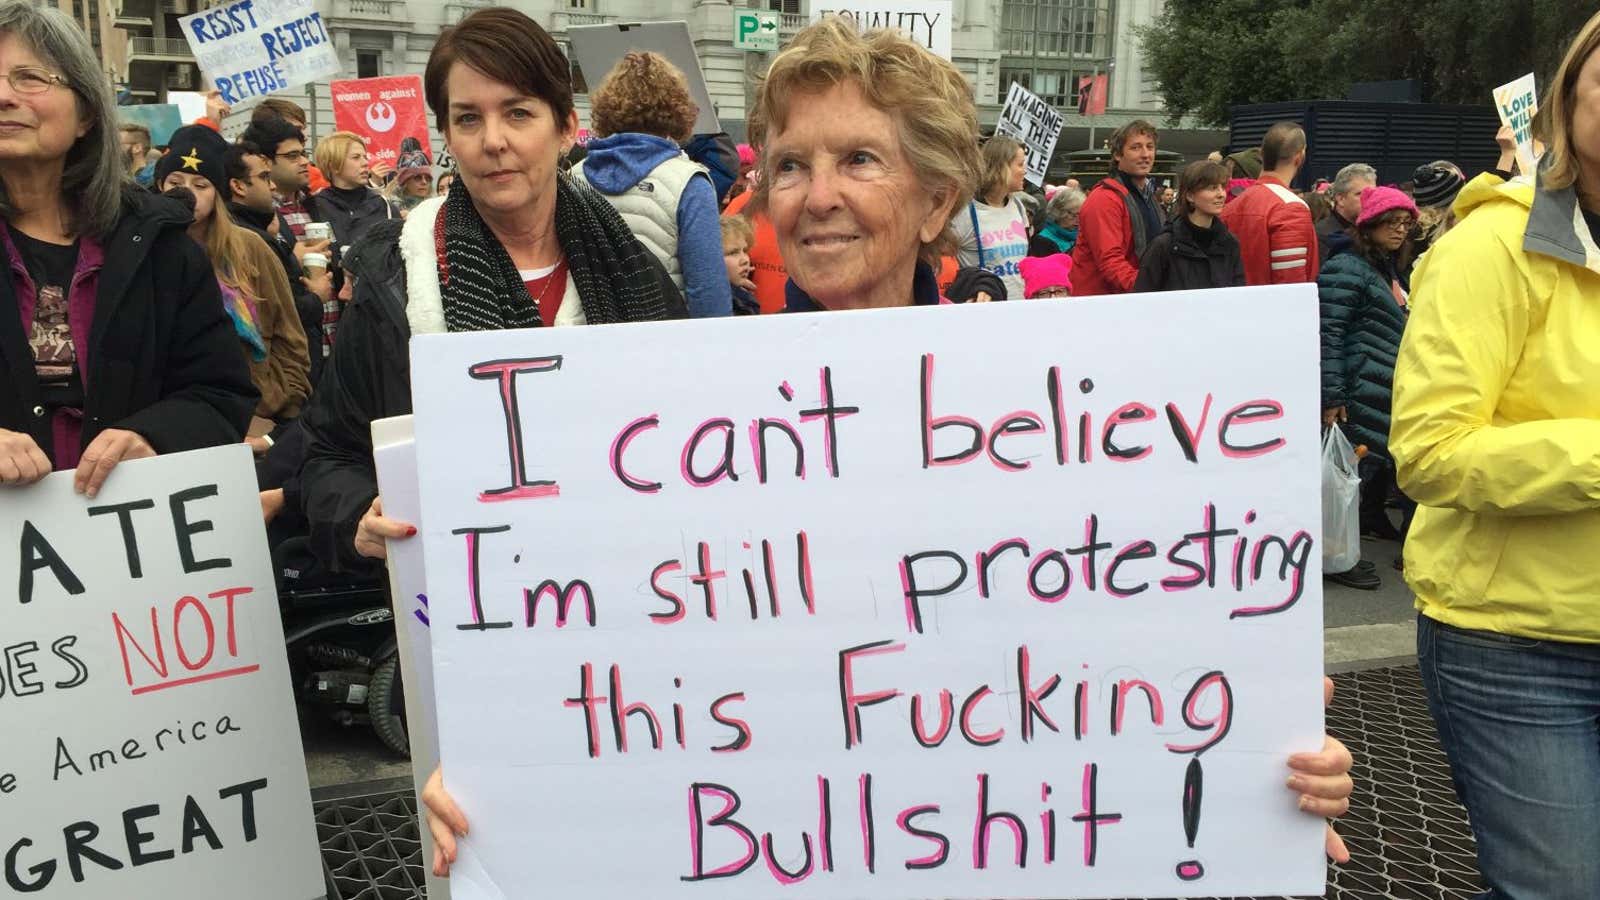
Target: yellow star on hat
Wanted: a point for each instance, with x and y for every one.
(192, 161)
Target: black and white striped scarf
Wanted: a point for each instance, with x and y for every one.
(612, 271)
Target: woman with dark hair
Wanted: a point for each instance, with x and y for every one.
(1497, 434)
(640, 114)
(1364, 311)
(113, 339)
(1195, 251)
(514, 244)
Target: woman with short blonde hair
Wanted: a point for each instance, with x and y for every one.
(348, 203)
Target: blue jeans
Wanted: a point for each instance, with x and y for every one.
(1520, 721)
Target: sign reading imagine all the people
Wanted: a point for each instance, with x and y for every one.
(1034, 123)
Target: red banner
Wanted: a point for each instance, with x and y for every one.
(1091, 94)
(390, 113)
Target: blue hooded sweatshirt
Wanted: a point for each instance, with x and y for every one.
(618, 162)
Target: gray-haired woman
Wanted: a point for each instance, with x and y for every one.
(106, 355)
(1060, 231)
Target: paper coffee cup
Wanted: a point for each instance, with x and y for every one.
(314, 264)
(318, 231)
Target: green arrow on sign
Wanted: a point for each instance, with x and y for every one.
(769, 26)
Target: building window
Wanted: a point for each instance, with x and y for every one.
(577, 4)
(792, 7)
(368, 63)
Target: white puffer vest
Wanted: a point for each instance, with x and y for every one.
(650, 208)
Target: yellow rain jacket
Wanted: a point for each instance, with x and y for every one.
(1496, 424)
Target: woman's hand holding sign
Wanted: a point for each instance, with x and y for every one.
(21, 460)
(375, 529)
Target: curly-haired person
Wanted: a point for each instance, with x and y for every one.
(640, 115)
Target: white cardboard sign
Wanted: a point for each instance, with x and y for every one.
(1517, 103)
(1036, 124)
(1005, 601)
(152, 748)
(394, 454)
(251, 48)
(928, 22)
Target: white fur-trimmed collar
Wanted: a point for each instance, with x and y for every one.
(424, 299)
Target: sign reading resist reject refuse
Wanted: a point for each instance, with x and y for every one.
(251, 48)
(1007, 601)
(151, 748)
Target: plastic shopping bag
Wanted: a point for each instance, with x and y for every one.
(1341, 503)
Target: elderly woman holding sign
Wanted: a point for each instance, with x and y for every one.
(868, 144)
(113, 339)
(514, 244)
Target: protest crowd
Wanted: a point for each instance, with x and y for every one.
(264, 290)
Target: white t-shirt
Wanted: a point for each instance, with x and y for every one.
(1003, 232)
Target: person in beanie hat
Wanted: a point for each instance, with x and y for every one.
(1436, 186)
(416, 185)
(255, 289)
(1046, 276)
(1364, 312)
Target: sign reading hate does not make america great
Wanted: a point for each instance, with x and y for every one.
(152, 748)
(1008, 601)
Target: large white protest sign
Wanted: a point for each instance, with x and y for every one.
(1517, 104)
(1036, 124)
(394, 454)
(250, 48)
(925, 21)
(1006, 601)
(151, 748)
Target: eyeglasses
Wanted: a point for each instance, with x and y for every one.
(33, 79)
(1052, 292)
(1399, 224)
(294, 156)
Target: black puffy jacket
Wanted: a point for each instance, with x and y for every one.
(164, 359)
(1362, 323)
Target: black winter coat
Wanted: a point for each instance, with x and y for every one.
(367, 378)
(350, 222)
(164, 359)
(1362, 324)
(1178, 260)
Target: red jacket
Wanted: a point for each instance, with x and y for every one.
(1106, 257)
(1276, 236)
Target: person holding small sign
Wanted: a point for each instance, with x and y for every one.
(992, 232)
(514, 244)
(160, 370)
(1496, 432)
(867, 148)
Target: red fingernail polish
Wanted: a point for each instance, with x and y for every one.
(411, 531)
